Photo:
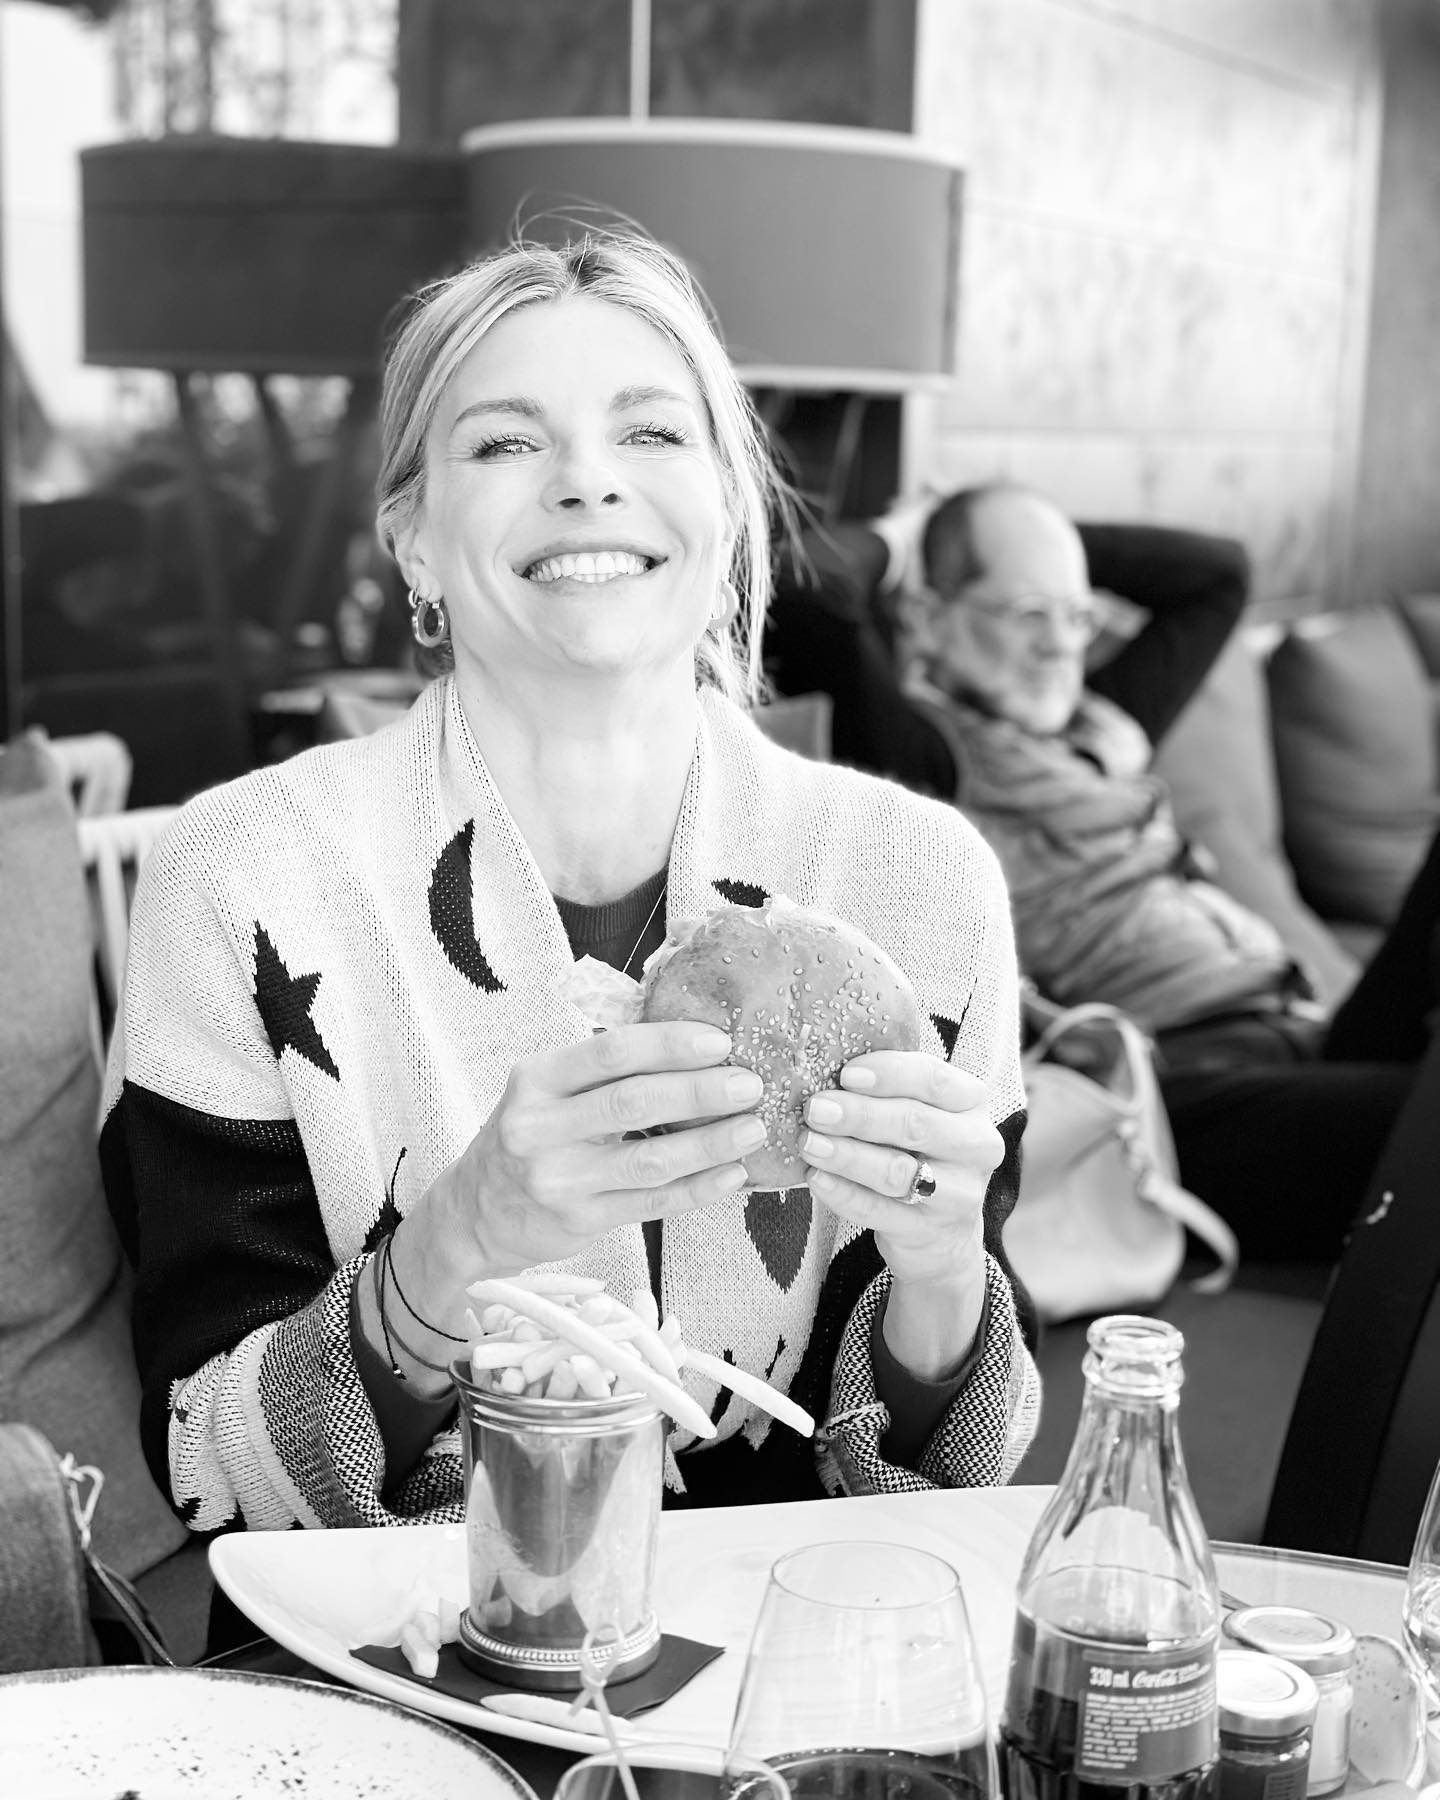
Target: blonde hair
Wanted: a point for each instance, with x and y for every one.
(449, 318)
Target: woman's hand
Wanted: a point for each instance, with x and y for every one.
(554, 1166)
(894, 1109)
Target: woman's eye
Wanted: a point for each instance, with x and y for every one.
(656, 434)
(498, 448)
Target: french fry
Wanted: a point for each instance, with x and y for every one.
(543, 1358)
(552, 1281)
(589, 1376)
(498, 1353)
(567, 1323)
(752, 1388)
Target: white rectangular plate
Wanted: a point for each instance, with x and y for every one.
(320, 1593)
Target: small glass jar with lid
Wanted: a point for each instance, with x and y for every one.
(1325, 1650)
(1266, 1709)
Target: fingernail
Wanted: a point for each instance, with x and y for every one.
(750, 1133)
(709, 1042)
(857, 1078)
(824, 1112)
(821, 1183)
(815, 1145)
(744, 1084)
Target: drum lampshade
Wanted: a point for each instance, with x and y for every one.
(831, 256)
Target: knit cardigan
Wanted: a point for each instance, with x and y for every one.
(333, 965)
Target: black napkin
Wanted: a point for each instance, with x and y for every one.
(679, 1661)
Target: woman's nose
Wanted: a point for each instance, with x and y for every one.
(583, 477)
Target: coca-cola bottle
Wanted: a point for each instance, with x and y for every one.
(1111, 1693)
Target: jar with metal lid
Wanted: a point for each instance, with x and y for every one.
(1325, 1650)
(1266, 1709)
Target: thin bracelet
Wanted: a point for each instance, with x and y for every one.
(415, 1356)
(419, 1318)
(389, 1334)
(377, 1263)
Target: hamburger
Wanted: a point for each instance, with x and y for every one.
(800, 994)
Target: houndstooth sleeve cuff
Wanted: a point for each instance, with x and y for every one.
(984, 1433)
(281, 1432)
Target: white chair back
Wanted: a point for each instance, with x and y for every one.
(112, 848)
(97, 769)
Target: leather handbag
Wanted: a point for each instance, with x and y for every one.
(61, 1606)
(1101, 1219)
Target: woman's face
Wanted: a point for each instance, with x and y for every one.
(574, 516)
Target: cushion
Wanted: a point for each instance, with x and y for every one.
(66, 1363)
(1220, 769)
(1355, 753)
(1421, 613)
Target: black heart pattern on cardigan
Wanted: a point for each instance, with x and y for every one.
(779, 1227)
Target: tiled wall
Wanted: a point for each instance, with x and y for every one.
(1165, 273)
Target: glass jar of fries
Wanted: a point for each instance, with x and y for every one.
(562, 1507)
(563, 1398)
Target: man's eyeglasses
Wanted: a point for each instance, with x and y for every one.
(1037, 616)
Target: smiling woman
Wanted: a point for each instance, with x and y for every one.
(351, 1078)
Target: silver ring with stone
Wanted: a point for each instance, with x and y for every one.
(922, 1183)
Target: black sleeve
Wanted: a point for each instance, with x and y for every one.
(228, 1238)
(827, 632)
(1193, 585)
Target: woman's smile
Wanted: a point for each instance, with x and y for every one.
(590, 565)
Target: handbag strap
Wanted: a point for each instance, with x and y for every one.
(1202, 1222)
(1154, 1185)
(122, 1623)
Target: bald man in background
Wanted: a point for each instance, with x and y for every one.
(1279, 1113)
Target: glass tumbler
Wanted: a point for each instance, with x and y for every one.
(562, 1506)
(862, 1680)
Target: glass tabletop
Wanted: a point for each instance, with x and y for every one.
(998, 1522)
(1365, 1595)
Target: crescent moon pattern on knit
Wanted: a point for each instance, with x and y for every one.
(284, 1001)
(452, 912)
(779, 1226)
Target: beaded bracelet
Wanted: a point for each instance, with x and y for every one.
(419, 1318)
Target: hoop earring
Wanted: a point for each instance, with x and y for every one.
(727, 603)
(429, 622)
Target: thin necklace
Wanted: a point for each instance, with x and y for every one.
(646, 926)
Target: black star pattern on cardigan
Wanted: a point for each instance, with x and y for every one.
(779, 1226)
(739, 893)
(452, 912)
(284, 1001)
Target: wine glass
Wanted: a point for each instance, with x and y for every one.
(665, 1772)
(862, 1681)
(1420, 1616)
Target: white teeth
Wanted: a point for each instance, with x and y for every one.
(600, 565)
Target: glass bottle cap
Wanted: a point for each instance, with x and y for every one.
(1316, 1644)
(1263, 1696)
